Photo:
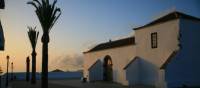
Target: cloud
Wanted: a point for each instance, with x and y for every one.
(89, 45)
(72, 62)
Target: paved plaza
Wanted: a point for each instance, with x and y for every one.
(72, 83)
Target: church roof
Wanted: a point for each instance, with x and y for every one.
(113, 44)
(168, 17)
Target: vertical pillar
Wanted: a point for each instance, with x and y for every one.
(27, 69)
(7, 70)
(12, 71)
(161, 79)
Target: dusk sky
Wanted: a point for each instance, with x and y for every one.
(83, 23)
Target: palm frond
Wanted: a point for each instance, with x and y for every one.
(38, 2)
(33, 36)
(47, 13)
(56, 17)
(34, 4)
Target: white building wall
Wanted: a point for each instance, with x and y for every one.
(184, 68)
(152, 59)
(96, 71)
(120, 58)
(148, 73)
(132, 73)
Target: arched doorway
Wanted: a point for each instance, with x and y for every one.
(107, 69)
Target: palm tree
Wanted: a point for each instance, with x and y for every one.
(33, 37)
(47, 14)
(27, 68)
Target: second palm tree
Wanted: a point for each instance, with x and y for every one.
(33, 36)
(47, 14)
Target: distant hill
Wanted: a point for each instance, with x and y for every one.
(57, 70)
(55, 74)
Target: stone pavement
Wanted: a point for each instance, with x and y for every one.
(73, 83)
(79, 84)
(24, 84)
(3, 83)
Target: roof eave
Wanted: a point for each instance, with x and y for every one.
(171, 16)
(126, 42)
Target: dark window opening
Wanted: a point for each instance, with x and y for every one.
(108, 71)
(154, 40)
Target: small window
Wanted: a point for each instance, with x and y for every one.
(154, 40)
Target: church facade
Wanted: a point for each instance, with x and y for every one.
(162, 53)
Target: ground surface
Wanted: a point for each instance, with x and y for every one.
(73, 83)
(70, 83)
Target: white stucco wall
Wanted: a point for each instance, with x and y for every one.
(184, 68)
(132, 73)
(120, 58)
(152, 59)
(96, 71)
(142, 72)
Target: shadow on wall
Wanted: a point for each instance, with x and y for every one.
(96, 71)
(184, 68)
(142, 72)
(115, 75)
(148, 72)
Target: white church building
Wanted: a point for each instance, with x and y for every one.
(164, 53)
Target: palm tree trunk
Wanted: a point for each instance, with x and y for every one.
(33, 80)
(45, 41)
(27, 69)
